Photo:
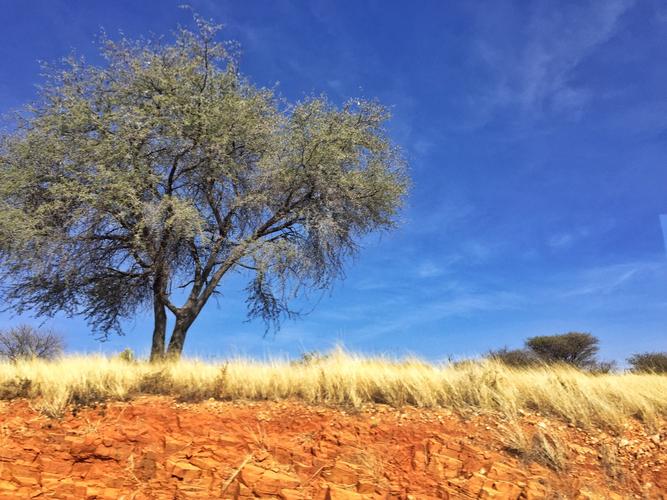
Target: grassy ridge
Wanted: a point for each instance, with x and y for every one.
(346, 379)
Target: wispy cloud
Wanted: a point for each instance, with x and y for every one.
(565, 240)
(532, 70)
(434, 268)
(609, 279)
(429, 269)
(407, 320)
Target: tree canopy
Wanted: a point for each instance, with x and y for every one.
(165, 168)
(574, 348)
(26, 342)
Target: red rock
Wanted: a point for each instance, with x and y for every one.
(58, 467)
(443, 466)
(366, 486)
(507, 489)
(80, 469)
(80, 489)
(27, 480)
(488, 492)
(474, 483)
(243, 491)
(336, 493)
(7, 486)
(343, 473)
(534, 491)
(173, 445)
(206, 463)
(137, 447)
(94, 492)
(250, 474)
(184, 470)
(272, 483)
(291, 494)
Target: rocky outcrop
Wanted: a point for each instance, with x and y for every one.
(153, 448)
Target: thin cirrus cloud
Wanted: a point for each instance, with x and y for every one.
(566, 240)
(530, 58)
(431, 313)
(663, 224)
(610, 279)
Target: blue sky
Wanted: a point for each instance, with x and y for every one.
(537, 138)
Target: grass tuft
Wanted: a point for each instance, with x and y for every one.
(342, 378)
(539, 446)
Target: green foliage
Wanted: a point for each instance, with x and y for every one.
(155, 382)
(652, 362)
(166, 168)
(514, 357)
(27, 342)
(603, 367)
(311, 358)
(577, 349)
(127, 355)
(15, 388)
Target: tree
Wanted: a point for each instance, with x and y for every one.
(26, 342)
(652, 362)
(166, 169)
(577, 349)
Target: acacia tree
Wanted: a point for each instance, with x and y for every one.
(574, 348)
(165, 168)
(26, 342)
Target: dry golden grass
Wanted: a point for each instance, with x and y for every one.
(540, 447)
(346, 379)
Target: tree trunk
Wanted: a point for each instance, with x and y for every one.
(159, 331)
(177, 340)
(159, 320)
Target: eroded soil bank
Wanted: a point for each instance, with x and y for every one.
(153, 447)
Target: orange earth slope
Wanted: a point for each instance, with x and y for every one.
(153, 447)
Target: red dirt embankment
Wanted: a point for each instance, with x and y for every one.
(154, 448)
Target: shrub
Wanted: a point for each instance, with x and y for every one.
(513, 357)
(655, 362)
(577, 349)
(26, 342)
(603, 367)
(127, 355)
(15, 388)
(310, 358)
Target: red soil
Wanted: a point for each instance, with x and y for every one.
(153, 447)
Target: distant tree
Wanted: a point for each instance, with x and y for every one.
(127, 355)
(26, 342)
(166, 170)
(577, 349)
(310, 358)
(655, 362)
(514, 357)
(603, 367)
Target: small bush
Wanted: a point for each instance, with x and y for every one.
(603, 367)
(26, 342)
(310, 358)
(576, 349)
(127, 355)
(655, 362)
(611, 462)
(15, 388)
(156, 382)
(513, 357)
